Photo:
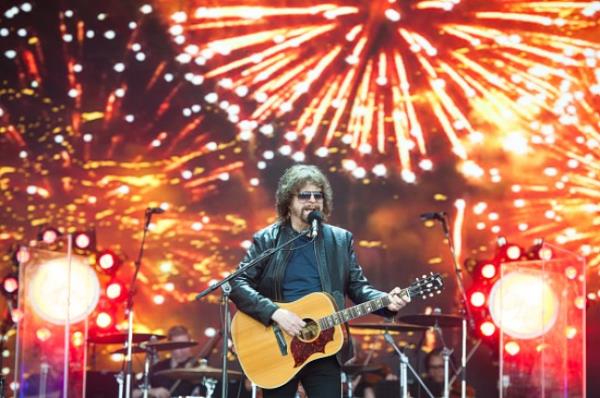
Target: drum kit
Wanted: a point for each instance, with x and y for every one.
(150, 345)
(408, 323)
(202, 374)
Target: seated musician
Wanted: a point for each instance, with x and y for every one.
(163, 387)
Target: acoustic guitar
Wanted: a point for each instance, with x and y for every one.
(270, 357)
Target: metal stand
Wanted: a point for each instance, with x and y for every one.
(210, 385)
(347, 379)
(151, 355)
(467, 316)
(446, 352)
(226, 287)
(404, 366)
(138, 264)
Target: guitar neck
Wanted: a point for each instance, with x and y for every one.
(345, 315)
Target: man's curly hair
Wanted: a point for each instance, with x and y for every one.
(293, 180)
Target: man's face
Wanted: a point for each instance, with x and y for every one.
(436, 368)
(181, 354)
(302, 204)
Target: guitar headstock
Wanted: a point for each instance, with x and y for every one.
(426, 286)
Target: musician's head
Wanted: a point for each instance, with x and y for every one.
(180, 333)
(434, 365)
(302, 189)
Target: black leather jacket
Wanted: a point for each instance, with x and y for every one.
(254, 291)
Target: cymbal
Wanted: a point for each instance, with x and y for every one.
(156, 346)
(121, 338)
(168, 345)
(396, 327)
(136, 349)
(197, 374)
(355, 369)
(441, 320)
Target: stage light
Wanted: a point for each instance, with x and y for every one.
(84, 240)
(523, 304)
(487, 328)
(108, 261)
(488, 271)
(545, 253)
(571, 272)
(10, 284)
(21, 255)
(58, 282)
(16, 314)
(513, 252)
(77, 339)
(512, 348)
(104, 320)
(115, 290)
(49, 235)
(477, 299)
(43, 334)
(540, 251)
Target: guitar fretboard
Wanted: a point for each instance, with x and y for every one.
(337, 318)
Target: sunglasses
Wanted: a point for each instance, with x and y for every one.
(305, 195)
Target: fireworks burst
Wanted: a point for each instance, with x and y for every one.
(377, 82)
(556, 195)
(99, 121)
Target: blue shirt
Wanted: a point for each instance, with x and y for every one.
(301, 274)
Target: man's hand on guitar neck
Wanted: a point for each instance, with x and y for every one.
(288, 321)
(398, 301)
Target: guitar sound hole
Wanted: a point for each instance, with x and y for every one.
(309, 332)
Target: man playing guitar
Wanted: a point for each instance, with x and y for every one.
(322, 263)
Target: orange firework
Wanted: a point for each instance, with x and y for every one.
(98, 121)
(379, 81)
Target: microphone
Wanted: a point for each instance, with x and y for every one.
(435, 215)
(314, 219)
(154, 210)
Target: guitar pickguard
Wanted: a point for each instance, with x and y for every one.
(301, 351)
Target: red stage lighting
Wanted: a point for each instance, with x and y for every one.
(77, 339)
(540, 251)
(104, 320)
(478, 299)
(10, 284)
(488, 271)
(512, 348)
(49, 235)
(84, 240)
(513, 252)
(21, 255)
(545, 253)
(108, 261)
(487, 328)
(115, 290)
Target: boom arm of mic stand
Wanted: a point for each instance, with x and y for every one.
(458, 273)
(226, 287)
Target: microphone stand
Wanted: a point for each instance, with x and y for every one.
(466, 311)
(128, 357)
(226, 288)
